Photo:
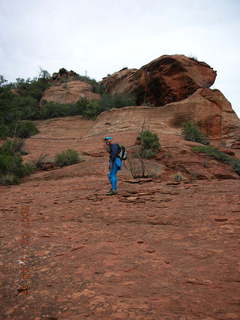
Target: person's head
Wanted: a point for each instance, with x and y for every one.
(107, 140)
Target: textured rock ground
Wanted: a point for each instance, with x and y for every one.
(158, 250)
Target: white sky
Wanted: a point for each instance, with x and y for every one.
(103, 36)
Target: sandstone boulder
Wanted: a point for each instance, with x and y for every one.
(166, 79)
(69, 92)
(209, 109)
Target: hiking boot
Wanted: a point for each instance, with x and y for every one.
(111, 193)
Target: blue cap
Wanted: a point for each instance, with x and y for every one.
(107, 138)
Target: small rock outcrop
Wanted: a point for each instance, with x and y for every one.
(167, 79)
(69, 92)
(63, 75)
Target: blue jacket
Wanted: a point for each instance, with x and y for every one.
(113, 151)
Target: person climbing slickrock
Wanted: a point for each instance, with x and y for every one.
(115, 164)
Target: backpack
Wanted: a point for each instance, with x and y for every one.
(122, 154)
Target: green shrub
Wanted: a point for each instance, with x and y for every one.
(14, 108)
(220, 156)
(4, 131)
(191, 132)
(9, 179)
(20, 101)
(213, 152)
(108, 101)
(97, 87)
(54, 110)
(236, 165)
(12, 146)
(32, 87)
(89, 109)
(23, 129)
(24, 107)
(149, 144)
(11, 163)
(67, 158)
(11, 167)
(28, 168)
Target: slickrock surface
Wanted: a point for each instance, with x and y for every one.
(159, 250)
(155, 251)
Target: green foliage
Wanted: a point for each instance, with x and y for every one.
(213, 152)
(4, 130)
(89, 109)
(29, 168)
(11, 167)
(149, 144)
(9, 111)
(23, 129)
(12, 146)
(97, 87)
(8, 179)
(20, 101)
(32, 88)
(236, 165)
(15, 107)
(10, 163)
(67, 158)
(117, 101)
(220, 156)
(191, 132)
(53, 110)
(2, 80)
(44, 74)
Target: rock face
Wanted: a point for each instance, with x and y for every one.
(69, 92)
(120, 82)
(209, 108)
(166, 79)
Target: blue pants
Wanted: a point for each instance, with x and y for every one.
(112, 175)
